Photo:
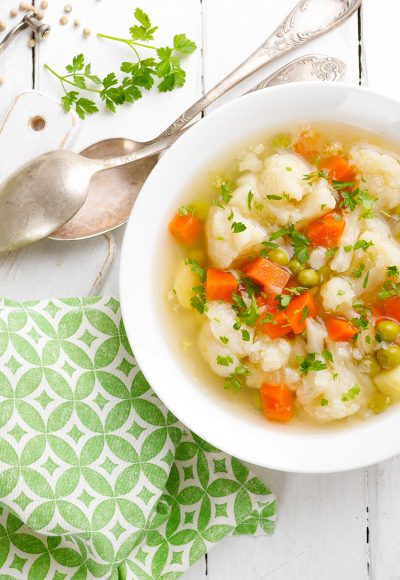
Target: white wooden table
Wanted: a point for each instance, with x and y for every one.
(344, 526)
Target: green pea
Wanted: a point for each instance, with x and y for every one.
(279, 257)
(324, 273)
(388, 330)
(308, 278)
(389, 357)
(295, 266)
(369, 365)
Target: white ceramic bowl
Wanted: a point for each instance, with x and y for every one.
(248, 437)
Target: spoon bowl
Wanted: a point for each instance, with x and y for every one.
(112, 193)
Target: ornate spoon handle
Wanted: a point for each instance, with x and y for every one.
(307, 20)
(306, 68)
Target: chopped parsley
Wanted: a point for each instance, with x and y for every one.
(198, 300)
(314, 175)
(299, 241)
(238, 227)
(235, 380)
(226, 191)
(391, 287)
(186, 210)
(328, 356)
(324, 402)
(197, 269)
(231, 215)
(351, 393)
(310, 363)
(365, 281)
(250, 286)
(250, 196)
(274, 197)
(245, 335)
(357, 273)
(245, 314)
(331, 252)
(341, 185)
(305, 312)
(224, 361)
(360, 245)
(340, 292)
(224, 339)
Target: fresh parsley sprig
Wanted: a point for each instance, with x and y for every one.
(310, 363)
(164, 65)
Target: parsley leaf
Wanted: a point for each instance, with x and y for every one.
(235, 380)
(197, 269)
(238, 227)
(309, 363)
(224, 361)
(113, 91)
(351, 393)
(245, 314)
(299, 241)
(250, 196)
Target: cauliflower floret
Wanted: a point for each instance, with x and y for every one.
(337, 295)
(222, 318)
(212, 348)
(339, 389)
(318, 258)
(224, 245)
(284, 173)
(240, 196)
(384, 252)
(316, 335)
(342, 259)
(381, 172)
(249, 160)
(272, 354)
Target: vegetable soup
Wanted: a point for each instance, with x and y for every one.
(284, 280)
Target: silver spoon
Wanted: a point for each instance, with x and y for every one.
(46, 192)
(112, 193)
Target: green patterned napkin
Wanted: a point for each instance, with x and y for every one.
(97, 478)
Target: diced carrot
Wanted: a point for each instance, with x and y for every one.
(338, 168)
(300, 308)
(340, 330)
(391, 306)
(220, 285)
(277, 401)
(272, 277)
(307, 145)
(326, 230)
(276, 327)
(185, 228)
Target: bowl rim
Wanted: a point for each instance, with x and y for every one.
(368, 431)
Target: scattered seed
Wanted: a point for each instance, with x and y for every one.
(40, 15)
(44, 4)
(1, 81)
(23, 6)
(67, 8)
(77, 23)
(31, 43)
(86, 32)
(13, 12)
(63, 20)
(2, 25)
(30, 8)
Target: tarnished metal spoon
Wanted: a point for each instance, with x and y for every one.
(46, 192)
(112, 193)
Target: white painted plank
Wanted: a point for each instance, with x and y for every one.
(15, 62)
(229, 40)
(320, 533)
(148, 117)
(380, 47)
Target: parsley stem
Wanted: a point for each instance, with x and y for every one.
(127, 41)
(65, 80)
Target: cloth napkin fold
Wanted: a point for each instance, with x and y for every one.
(97, 478)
